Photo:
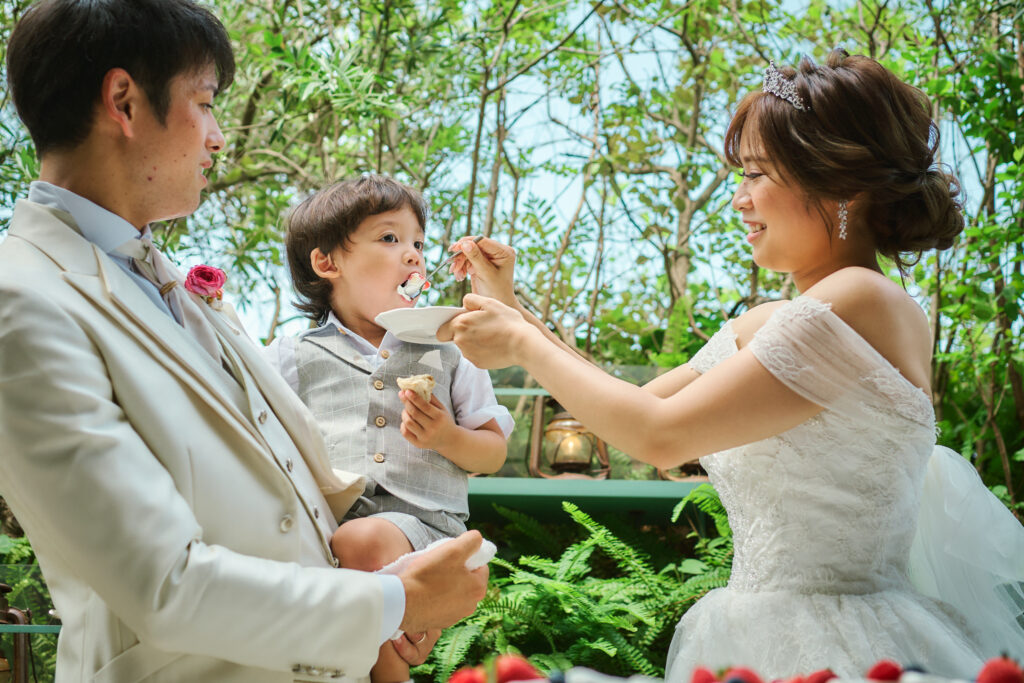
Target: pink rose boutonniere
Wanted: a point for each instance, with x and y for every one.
(207, 282)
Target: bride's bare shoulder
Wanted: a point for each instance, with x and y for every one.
(884, 315)
(870, 303)
(877, 308)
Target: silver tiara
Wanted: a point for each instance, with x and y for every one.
(780, 86)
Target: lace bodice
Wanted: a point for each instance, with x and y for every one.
(829, 506)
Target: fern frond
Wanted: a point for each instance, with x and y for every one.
(529, 527)
(627, 558)
(451, 648)
(705, 498)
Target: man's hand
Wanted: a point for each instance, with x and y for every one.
(439, 590)
(425, 425)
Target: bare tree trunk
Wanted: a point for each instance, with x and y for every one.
(492, 189)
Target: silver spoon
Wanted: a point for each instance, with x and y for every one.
(412, 293)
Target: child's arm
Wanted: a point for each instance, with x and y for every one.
(431, 426)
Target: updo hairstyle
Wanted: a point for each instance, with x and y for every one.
(863, 132)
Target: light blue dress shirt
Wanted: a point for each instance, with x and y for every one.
(103, 228)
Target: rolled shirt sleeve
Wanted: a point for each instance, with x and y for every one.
(474, 401)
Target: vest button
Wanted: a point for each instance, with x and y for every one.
(262, 417)
(378, 457)
(286, 524)
(380, 421)
(378, 385)
(385, 354)
(288, 464)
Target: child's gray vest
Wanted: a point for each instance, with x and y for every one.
(359, 413)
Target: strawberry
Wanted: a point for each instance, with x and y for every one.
(794, 679)
(702, 675)
(514, 668)
(468, 674)
(741, 674)
(885, 670)
(1000, 670)
(819, 676)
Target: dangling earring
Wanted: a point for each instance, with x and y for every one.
(843, 215)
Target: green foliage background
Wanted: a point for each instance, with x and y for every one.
(587, 135)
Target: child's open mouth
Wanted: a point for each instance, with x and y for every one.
(413, 287)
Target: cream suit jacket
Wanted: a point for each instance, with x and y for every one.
(164, 524)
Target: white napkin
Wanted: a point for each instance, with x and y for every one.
(484, 554)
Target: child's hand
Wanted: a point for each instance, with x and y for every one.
(426, 425)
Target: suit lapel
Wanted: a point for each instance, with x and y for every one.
(97, 278)
(339, 488)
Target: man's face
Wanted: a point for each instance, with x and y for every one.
(173, 157)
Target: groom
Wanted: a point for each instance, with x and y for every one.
(176, 492)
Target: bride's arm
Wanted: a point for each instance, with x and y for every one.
(490, 265)
(739, 401)
(736, 402)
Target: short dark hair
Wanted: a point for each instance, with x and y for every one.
(326, 220)
(61, 50)
(864, 132)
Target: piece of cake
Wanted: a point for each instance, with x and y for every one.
(423, 385)
(413, 287)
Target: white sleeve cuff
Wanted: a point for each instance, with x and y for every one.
(486, 414)
(392, 605)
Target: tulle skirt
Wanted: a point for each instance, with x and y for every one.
(780, 634)
(966, 603)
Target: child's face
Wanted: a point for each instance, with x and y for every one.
(380, 255)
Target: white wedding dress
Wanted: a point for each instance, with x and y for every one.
(831, 567)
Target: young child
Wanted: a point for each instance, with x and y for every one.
(350, 247)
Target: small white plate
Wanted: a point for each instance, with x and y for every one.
(417, 325)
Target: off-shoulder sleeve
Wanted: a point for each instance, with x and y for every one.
(722, 345)
(816, 354)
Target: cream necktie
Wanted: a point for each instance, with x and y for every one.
(155, 267)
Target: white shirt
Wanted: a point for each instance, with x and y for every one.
(472, 393)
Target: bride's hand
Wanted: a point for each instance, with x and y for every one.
(490, 266)
(489, 334)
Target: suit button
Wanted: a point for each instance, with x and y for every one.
(385, 354)
(378, 457)
(262, 417)
(286, 524)
(378, 385)
(288, 464)
(335, 562)
(316, 512)
(380, 421)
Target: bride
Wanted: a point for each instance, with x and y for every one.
(856, 538)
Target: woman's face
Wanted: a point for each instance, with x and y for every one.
(787, 233)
